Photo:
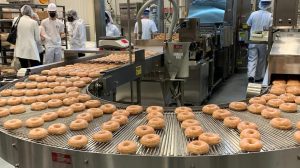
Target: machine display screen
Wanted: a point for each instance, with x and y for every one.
(208, 11)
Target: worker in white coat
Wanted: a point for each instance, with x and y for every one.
(111, 29)
(148, 27)
(257, 59)
(40, 46)
(54, 31)
(28, 36)
(76, 30)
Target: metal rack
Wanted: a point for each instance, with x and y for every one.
(4, 28)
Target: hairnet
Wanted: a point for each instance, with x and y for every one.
(35, 16)
(109, 17)
(264, 5)
(72, 13)
(147, 12)
(26, 10)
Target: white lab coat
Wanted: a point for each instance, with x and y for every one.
(77, 34)
(257, 56)
(53, 30)
(112, 30)
(28, 37)
(148, 27)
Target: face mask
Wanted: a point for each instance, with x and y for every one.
(70, 19)
(52, 14)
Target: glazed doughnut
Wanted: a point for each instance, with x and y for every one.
(78, 107)
(288, 98)
(39, 106)
(221, 114)
(74, 79)
(86, 116)
(67, 84)
(103, 136)
(28, 100)
(281, 123)
(156, 123)
(65, 112)
(42, 85)
(189, 123)
(78, 141)
(94, 74)
(150, 140)
(245, 125)
(82, 74)
(37, 134)
(238, 106)
(275, 103)
(52, 73)
(79, 84)
(270, 113)
(185, 116)
(18, 93)
(50, 116)
(268, 97)
(92, 104)
(41, 78)
(14, 101)
(32, 77)
(60, 96)
(86, 80)
(70, 101)
(198, 147)
(232, 122)
(20, 85)
(108, 108)
(183, 109)
(297, 136)
(277, 90)
(297, 100)
(32, 92)
(53, 84)
(155, 109)
(51, 78)
(3, 102)
(73, 94)
(110, 126)
(121, 112)
(278, 82)
(34, 122)
(298, 125)
(134, 109)
(289, 107)
(6, 93)
(121, 119)
(4, 112)
(59, 89)
(154, 115)
(31, 85)
(84, 98)
(17, 109)
(256, 108)
(12, 124)
(257, 100)
(45, 72)
(210, 138)
(295, 90)
(60, 79)
(46, 91)
(250, 145)
(127, 147)
(96, 112)
(70, 89)
(54, 103)
(63, 73)
(43, 98)
(78, 124)
(209, 109)
(142, 130)
(293, 83)
(193, 131)
(250, 133)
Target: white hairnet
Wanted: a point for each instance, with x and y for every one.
(110, 18)
(265, 4)
(26, 10)
(72, 13)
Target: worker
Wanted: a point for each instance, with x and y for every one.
(40, 46)
(148, 27)
(76, 30)
(54, 31)
(257, 59)
(111, 29)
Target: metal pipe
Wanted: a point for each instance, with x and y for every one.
(139, 17)
(130, 47)
(99, 6)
